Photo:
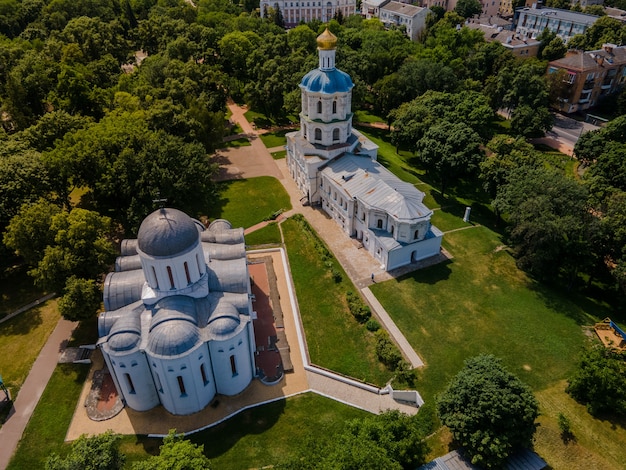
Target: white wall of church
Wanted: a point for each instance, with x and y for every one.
(170, 273)
(183, 388)
(134, 380)
(414, 252)
(231, 363)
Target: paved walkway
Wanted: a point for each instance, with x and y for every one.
(30, 392)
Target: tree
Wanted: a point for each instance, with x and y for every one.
(531, 122)
(490, 412)
(468, 8)
(81, 299)
(555, 49)
(449, 151)
(99, 452)
(176, 453)
(597, 10)
(600, 381)
(552, 230)
(81, 247)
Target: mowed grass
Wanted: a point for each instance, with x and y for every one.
(279, 155)
(21, 340)
(334, 339)
(264, 436)
(247, 202)
(479, 302)
(47, 427)
(275, 138)
(270, 234)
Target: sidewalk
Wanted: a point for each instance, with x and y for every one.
(32, 389)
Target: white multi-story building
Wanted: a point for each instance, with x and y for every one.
(177, 327)
(413, 18)
(531, 22)
(335, 168)
(297, 11)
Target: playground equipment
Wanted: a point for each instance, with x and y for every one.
(611, 335)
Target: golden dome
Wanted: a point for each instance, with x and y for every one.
(326, 41)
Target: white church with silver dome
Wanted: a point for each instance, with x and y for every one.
(177, 327)
(335, 168)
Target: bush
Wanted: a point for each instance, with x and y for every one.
(405, 374)
(337, 277)
(566, 428)
(358, 309)
(387, 351)
(372, 325)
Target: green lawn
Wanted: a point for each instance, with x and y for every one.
(236, 143)
(334, 339)
(275, 138)
(366, 116)
(247, 202)
(47, 427)
(269, 234)
(279, 155)
(264, 436)
(479, 302)
(21, 339)
(263, 121)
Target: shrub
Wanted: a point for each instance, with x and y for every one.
(387, 351)
(358, 309)
(337, 277)
(372, 325)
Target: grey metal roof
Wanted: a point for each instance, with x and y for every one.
(374, 185)
(173, 329)
(122, 288)
(568, 15)
(223, 236)
(224, 252)
(524, 459)
(126, 333)
(402, 9)
(224, 320)
(127, 263)
(167, 232)
(219, 225)
(107, 319)
(228, 275)
(129, 247)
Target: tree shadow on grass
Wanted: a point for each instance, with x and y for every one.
(431, 274)
(22, 324)
(581, 309)
(217, 208)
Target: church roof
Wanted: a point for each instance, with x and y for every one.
(327, 81)
(374, 185)
(167, 232)
(173, 329)
(327, 40)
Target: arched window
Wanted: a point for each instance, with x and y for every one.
(318, 134)
(181, 386)
(335, 134)
(156, 279)
(233, 365)
(392, 229)
(415, 235)
(335, 107)
(319, 107)
(205, 379)
(129, 381)
(158, 382)
(169, 273)
(186, 266)
(379, 224)
(199, 266)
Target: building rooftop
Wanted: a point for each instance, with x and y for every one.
(587, 60)
(507, 38)
(402, 8)
(567, 15)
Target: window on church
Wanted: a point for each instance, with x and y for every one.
(186, 266)
(171, 276)
(205, 379)
(335, 134)
(379, 224)
(318, 134)
(156, 279)
(181, 386)
(392, 229)
(415, 235)
(319, 107)
(199, 266)
(335, 107)
(363, 216)
(158, 382)
(129, 381)
(233, 365)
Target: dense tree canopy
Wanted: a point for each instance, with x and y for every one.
(490, 412)
(176, 453)
(99, 452)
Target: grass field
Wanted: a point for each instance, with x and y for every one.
(247, 202)
(275, 138)
(279, 155)
(334, 339)
(47, 427)
(21, 339)
(269, 234)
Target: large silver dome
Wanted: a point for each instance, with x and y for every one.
(167, 232)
